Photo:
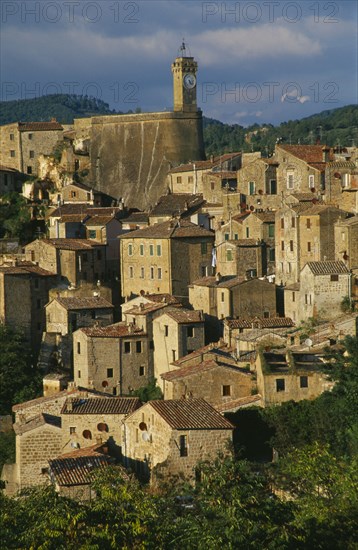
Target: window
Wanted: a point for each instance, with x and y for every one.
(190, 332)
(190, 179)
(183, 445)
(308, 223)
(223, 297)
(229, 255)
(141, 249)
(226, 236)
(226, 391)
(282, 245)
(32, 154)
(334, 278)
(306, 299)
(346, 180)
(131, 272)
(271, 230)
(152, 272)
(280, 384)
(12, 153)
(151, 344)
(308, 247)
(109, 373)
(204, 248)
(251, 187)
(271, 254)
(92, 234)
(87, 434)
(166, 330)
(204, 270)
(290, 180)
(173, 354)
(311, 182)
(282, 223)
(130, 250)
(247, 232)
(79, 348)
(178, 179)
(291, 246)
(127, 347)
(303, 381)
(29, 170)
(30, 136)
(12, 137)
(271, 187)
(72, 429)
(159, 273)
(102, 427)
(138, 346)
(73, 194)
(151, 250)
(293, 221)
(236, 236)
(266, 314)
(142, 272)
(293, 296)
(159, 249)
(141, 370)
(212, 185)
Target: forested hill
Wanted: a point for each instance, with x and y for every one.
(335, 127)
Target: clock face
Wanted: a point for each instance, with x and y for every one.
(189, 81)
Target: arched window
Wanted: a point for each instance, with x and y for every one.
(87, 434)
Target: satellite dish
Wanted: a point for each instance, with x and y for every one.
(308, 342)
(145, 436)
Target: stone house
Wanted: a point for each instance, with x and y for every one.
(105, 230)
(346, 249)
(21, 143)
(88, 420)
(68, 220)
(283, 376)
(241, 258)
(183, 205)
(65, 315)
(168, 438)
(24, 291)
(176, 332)
(152, 258)
(10, 180)
(74, 260)
(188, 178)
(217, 380)
(77, 192)
(341, 178)
(303, 233)
(235, 328)
(257, 183)
(117, 359)
(224, 297)
(72, 473)
(323, 285)
(301, 168)
(215, 184)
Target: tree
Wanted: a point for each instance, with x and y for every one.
(150, 392)
(19, 379)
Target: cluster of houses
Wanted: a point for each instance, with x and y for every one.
(226, 289)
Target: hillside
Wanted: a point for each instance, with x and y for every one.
(334, 127)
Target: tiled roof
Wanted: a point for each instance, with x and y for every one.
(72, 244)
(349, 164)
(226, 281)
(20, 269)
(223, 174)
(308, 153)
(162, 298)
(183, 315)
(82, 209)
(270, 322)
(101, 405)
(176, 203)
(349, 221)
(55, 397)
(250, 400)
(294, 286)
(95, 302)
(316, 209)
(244, 242)
(214, 347)
(190, 414)
(205, 164)
(171, 229)
(144, 309)
(99, 220)
(4, 168)
(327, 268)
(265, 216)
(79, 185)
(199, 368)
(73, 218)
(76, 468)
(118, 330)
(304, 197)
(137, 217)
(36, 422)
(39, 126)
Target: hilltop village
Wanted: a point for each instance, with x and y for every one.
(219, 283)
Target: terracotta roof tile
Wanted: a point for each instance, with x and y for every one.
(250, 400)
(308, 153)
(327, 268)
(101, 405)
(77, 468)
(171, 229)
(39, 126)
(95, 302)
(190, 414)
(204, 366)
(99, 220)
(177, 203)
(25, 270)
(72, 244)
(55, 397)
(118, 330)
(270, 322)
(36, 422)
(183, 315)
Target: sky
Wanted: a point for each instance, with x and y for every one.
(259, 61)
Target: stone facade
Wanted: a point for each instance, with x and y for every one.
(65, 315)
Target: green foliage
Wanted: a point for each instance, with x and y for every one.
(15, 217)
(7, 448)
(150, 392)
(347, 305)
(19, 380)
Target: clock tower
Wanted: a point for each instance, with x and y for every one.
(184, 70)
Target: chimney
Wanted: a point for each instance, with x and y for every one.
(141, 306)
(69, 405)
(218, 277)
(98, 440)
(325, 153)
